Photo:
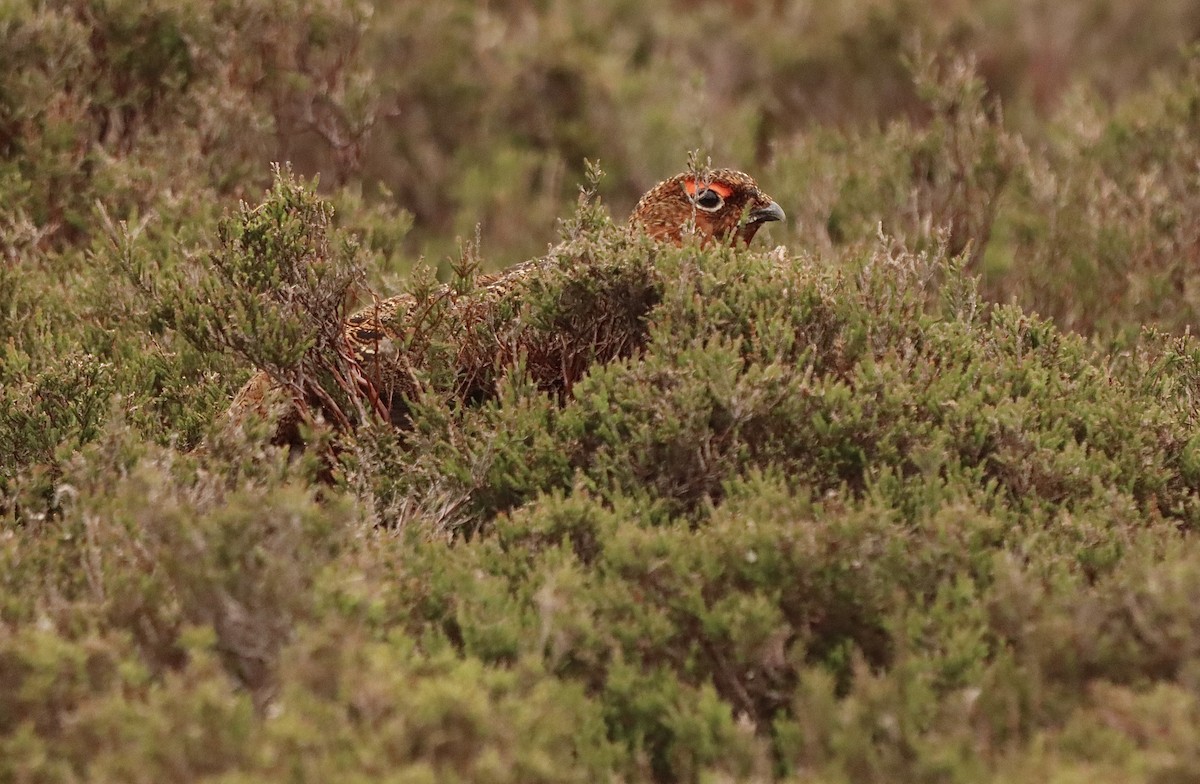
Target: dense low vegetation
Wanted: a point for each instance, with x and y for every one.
(904, 492)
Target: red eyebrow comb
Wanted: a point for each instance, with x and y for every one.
(724, 190)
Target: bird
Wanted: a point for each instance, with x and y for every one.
(721, 206)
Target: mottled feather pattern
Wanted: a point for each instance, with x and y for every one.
(669, 208)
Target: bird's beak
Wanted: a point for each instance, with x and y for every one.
(772, 212)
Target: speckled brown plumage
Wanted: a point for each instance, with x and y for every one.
(719, 206)
(723, 205)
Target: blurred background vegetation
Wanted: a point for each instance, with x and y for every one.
(1030, 127)
(910, 498)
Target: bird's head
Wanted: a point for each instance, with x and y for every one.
(725, 204)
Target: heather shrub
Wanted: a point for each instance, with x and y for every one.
(1113, 244)
(1086, 222)
(905, 491)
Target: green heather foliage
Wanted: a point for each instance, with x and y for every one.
(908, 491)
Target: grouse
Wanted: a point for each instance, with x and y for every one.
(721, 205)
(714, 206)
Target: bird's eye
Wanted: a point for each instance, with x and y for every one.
(709, 200)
